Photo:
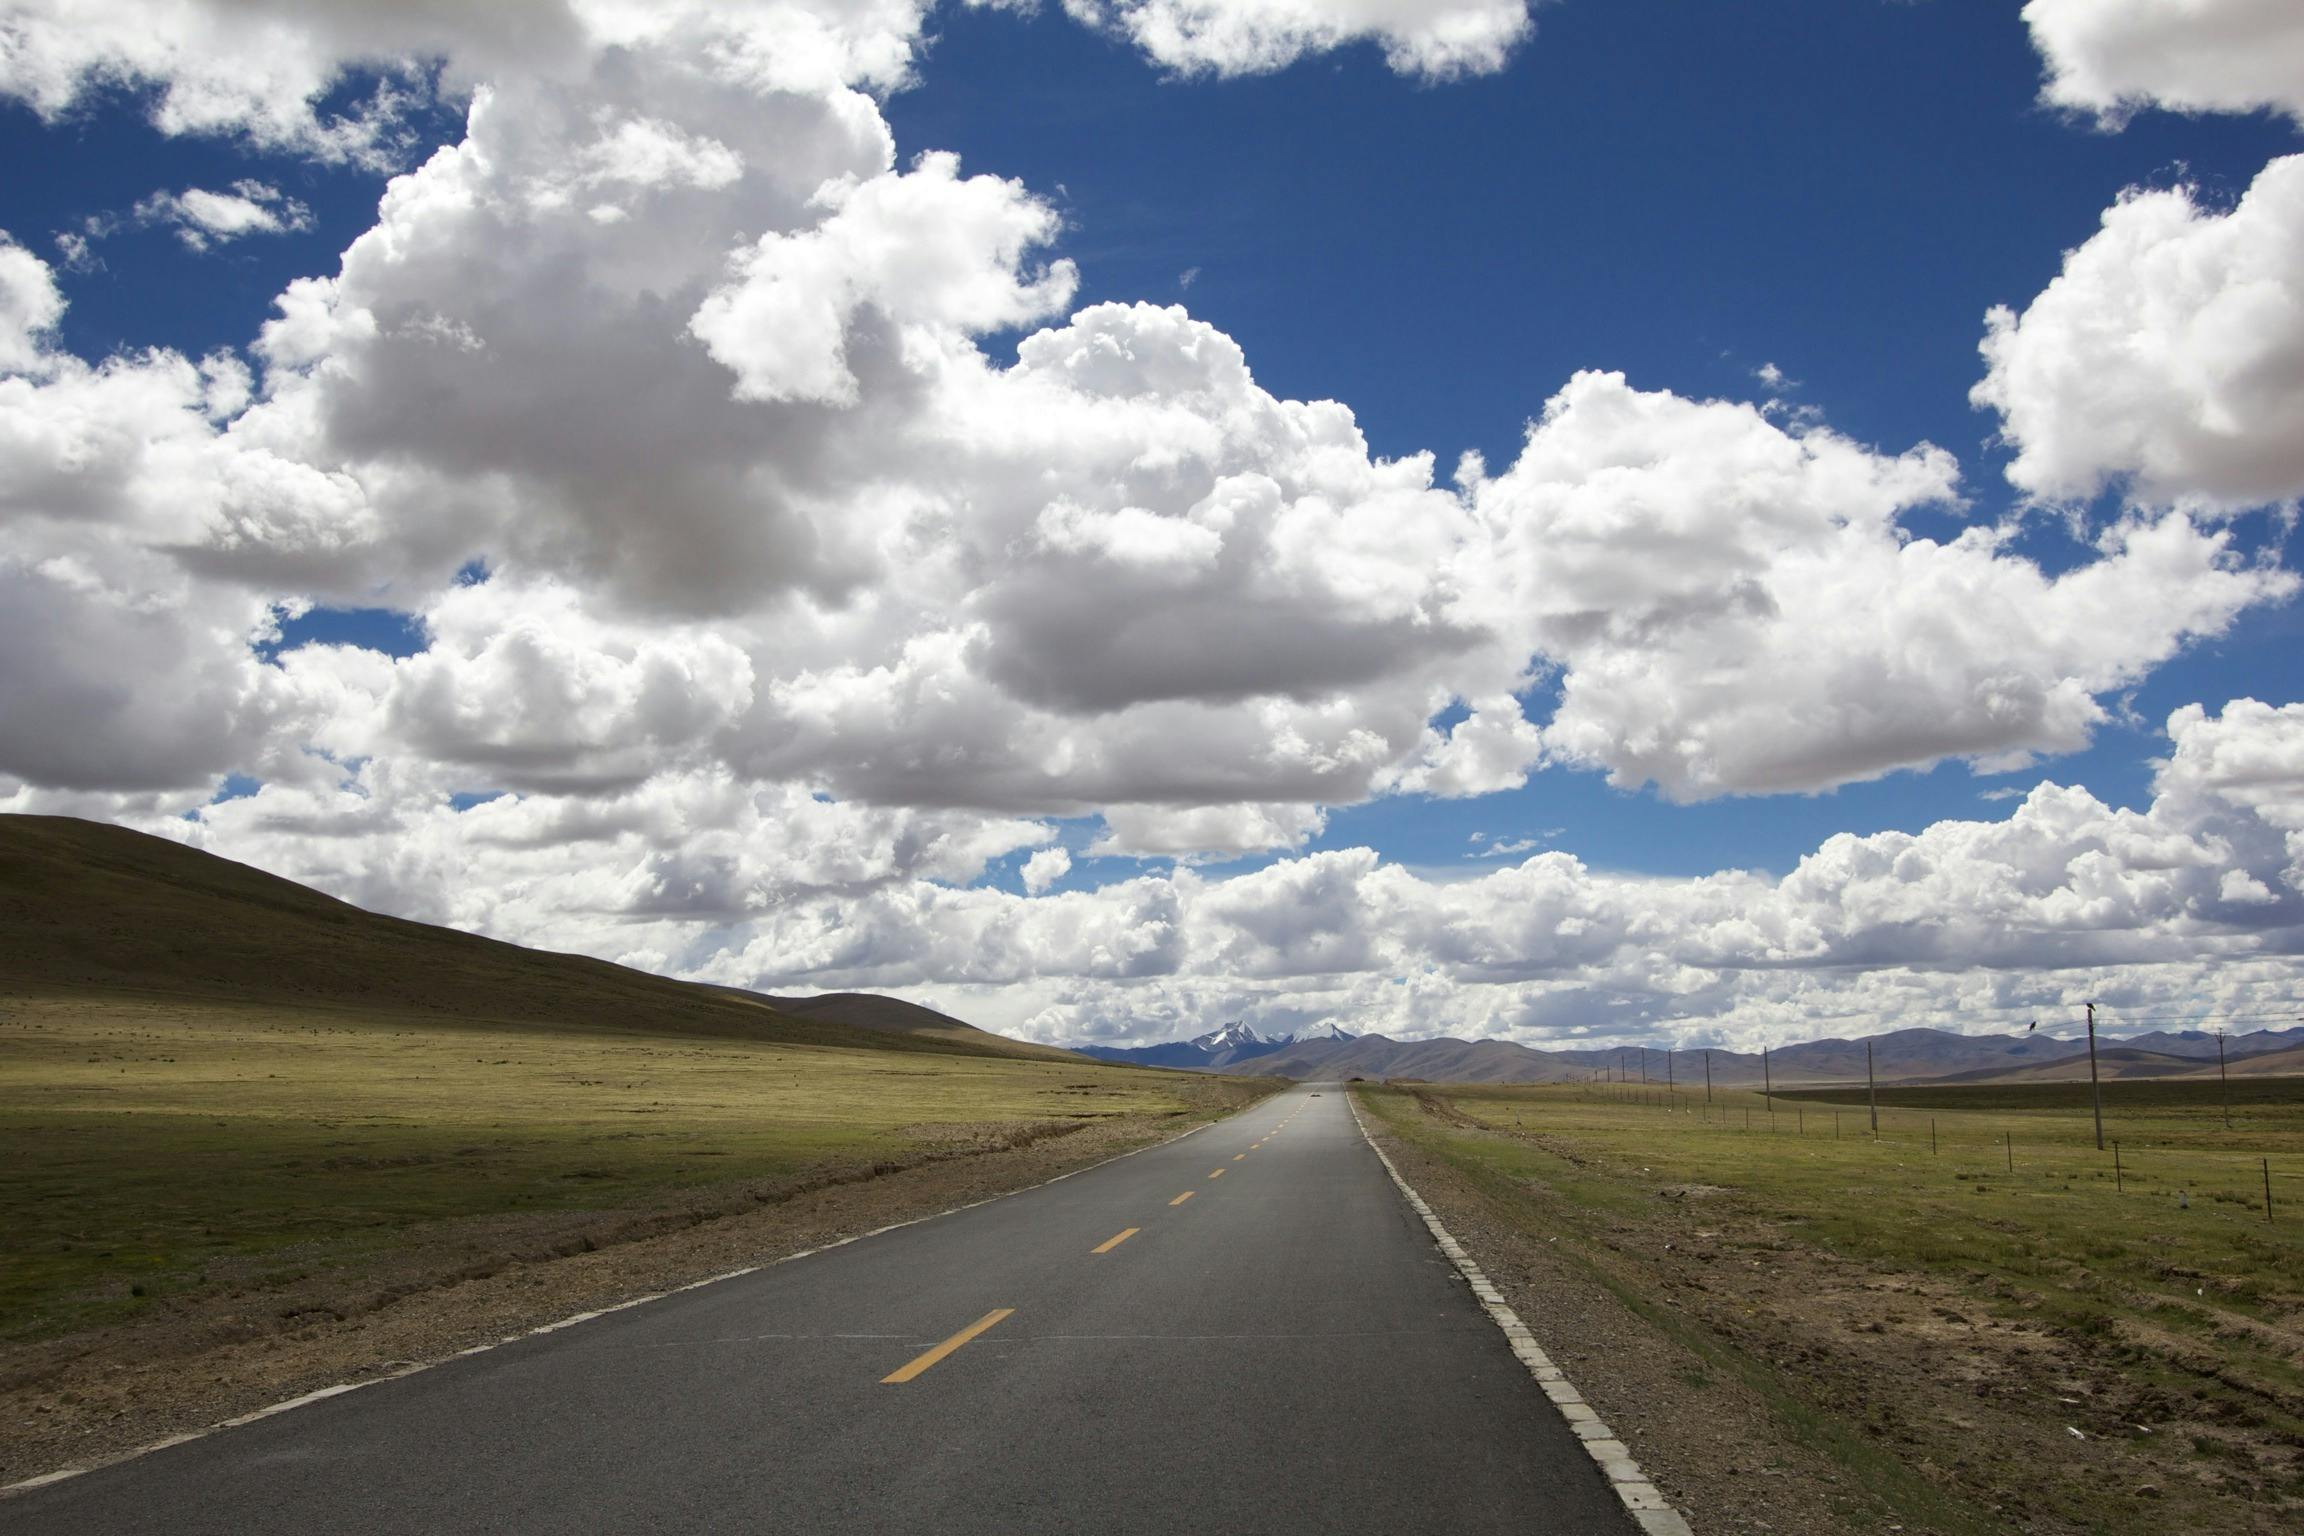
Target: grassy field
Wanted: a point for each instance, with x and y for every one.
(1976, 1292)
(150, 1147)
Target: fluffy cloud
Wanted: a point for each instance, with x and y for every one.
(30, 306)
(1044, 869)
(1432, 41)
(672, 346)
(2166, 354)
(2110, 57)
(129, 665)
(928, 253)
(1667, 555)
(202, 218)
(261, 69)
(524, 690)
(1935, 924)
(2195, 901)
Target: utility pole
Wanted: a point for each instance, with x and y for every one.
(1643, 1064)
(1871, 1093)
(2095, 1089)
(1670, 1086)
(1767, 1082)
(1707, 1074)
(2223, 1083)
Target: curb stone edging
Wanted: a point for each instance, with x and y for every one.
(64, 1474)
(1647, 1507)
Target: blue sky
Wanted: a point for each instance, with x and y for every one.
(1676, 190)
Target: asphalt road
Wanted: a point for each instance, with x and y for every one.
(1275, 1346)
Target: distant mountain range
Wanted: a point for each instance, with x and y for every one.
(1226, 1049)
(1900, 1056)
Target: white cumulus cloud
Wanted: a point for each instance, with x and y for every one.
(2168, 355)
(1428, 39)
(2110, 57)
(30, 306)
(1044, 868)
(202, 218)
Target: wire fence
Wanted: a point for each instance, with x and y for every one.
(2247, 1157)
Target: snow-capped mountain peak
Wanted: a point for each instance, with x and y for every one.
(1242, 1038)
(1234, 1037)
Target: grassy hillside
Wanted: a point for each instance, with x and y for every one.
(89, 910)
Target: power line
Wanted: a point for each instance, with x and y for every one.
(2041, 1013)
(2196, 1018)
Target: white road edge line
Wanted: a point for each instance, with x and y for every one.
(1648, 1508)
(63, 1474)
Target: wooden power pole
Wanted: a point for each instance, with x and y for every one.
(2223, 1083)
(2095, 1089)
(1871, 1091)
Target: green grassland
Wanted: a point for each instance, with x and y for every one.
(145, 1143)
(2165, 1276)
(2147, 1095)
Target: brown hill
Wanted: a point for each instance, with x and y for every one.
(2112, 1061)
(88, 909)
(2284, 1063)
(1436, 1061)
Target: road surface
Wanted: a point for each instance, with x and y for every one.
(1245, 1330)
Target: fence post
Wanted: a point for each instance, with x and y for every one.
(2119, 1182)
(1931, 1135)
(2267, 1189)
(2010, 1138)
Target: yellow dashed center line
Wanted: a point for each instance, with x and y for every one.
(1219, 1173)
(1111, 1243)
(1239, 1156)
(1180, 1199)
(989, 1320)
